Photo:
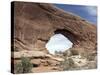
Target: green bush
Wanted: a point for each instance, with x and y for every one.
(24, 66)
(88, 56)
(67, 64)
(18, 68)
(70, 52)
(67, 53)
(59, 53)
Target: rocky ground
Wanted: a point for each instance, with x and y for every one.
(45, 62)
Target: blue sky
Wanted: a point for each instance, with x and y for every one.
(87, 12)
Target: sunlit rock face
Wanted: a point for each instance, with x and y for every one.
(31, 29)
(58, 42)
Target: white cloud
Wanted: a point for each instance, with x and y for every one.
(92, 10)
(58, 42)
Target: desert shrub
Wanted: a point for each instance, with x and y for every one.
(88, 56)
(24, 66)
(67, 53)
(70, 52)
(67, 64)
(74, 52)
(59, 53)
(90, 65)
(18, 68)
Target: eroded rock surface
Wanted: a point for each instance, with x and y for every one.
(35, 23)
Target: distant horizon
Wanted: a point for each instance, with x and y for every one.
(88, 13)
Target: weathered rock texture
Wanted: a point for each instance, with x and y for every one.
(35, 23)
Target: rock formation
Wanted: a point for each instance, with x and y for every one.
(35, 23)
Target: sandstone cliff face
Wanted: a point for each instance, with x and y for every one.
(35, 23)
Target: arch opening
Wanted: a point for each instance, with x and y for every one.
(67, 34)
(58, 43)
